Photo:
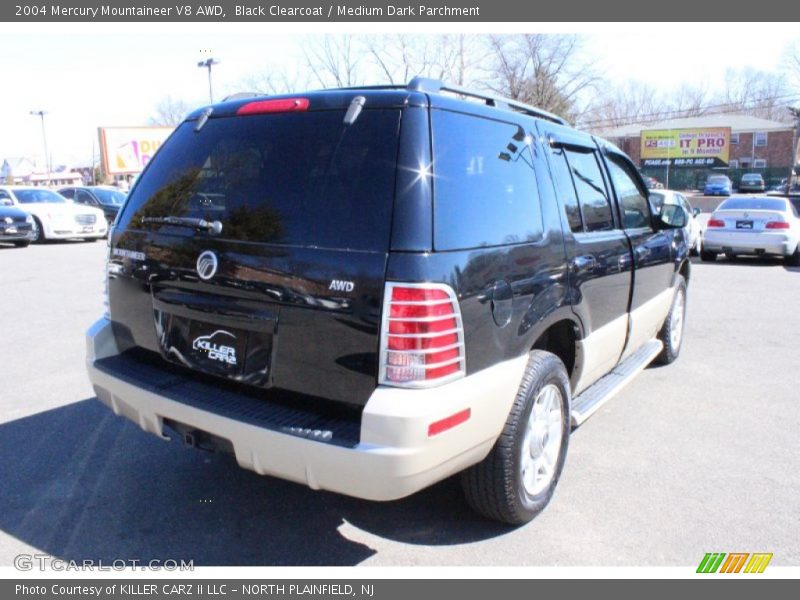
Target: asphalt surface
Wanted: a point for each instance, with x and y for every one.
(696, 457)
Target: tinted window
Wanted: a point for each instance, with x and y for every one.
(111, 197)
(591, 190)
(566, 189)
(718, 179)
(632, 202)
(484, 184)
(67, 193)
(291, 178)
(83, 197)
(752, 204)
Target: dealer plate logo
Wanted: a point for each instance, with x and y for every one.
(207, 264)
(216, 349)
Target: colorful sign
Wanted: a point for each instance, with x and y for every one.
(126, 150)
(705, 147)
(714, 562)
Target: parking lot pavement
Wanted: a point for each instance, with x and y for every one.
(696, 457)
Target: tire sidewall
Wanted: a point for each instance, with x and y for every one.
(556, 375)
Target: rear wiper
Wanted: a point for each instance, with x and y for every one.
(213, 227)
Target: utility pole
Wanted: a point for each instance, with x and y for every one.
(795, 146)
(41, 114)
(208, 63)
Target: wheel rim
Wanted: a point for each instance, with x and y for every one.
(542, 442)
(676, 327)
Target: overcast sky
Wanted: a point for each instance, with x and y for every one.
(88, 76)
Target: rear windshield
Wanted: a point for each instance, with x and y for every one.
(302, 179)
(751, 177)
(718, 179)
(753, 204)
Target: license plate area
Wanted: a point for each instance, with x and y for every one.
(744, 225)
(87, 229)
(216, 348)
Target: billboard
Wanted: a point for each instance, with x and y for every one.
(702, 147)
(126, 150)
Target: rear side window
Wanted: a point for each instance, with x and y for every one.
(301, 179)
(484, 186)
(566, 189)
(632, 202)
(591, 190)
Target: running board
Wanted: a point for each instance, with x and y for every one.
(590, 400)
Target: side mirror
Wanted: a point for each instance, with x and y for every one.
(696, 211)
(672, 216)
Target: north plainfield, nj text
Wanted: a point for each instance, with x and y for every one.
(262, 11)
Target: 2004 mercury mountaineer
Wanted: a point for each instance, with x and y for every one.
(369, 290)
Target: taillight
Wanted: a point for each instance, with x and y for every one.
(422, 342)
(261, 107)
(777, 225)
(716, 223)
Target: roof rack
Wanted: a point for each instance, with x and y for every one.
(434, 86)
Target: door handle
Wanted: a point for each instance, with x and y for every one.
(580, 264)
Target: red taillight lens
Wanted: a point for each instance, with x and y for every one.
(777, 225)
(261, 107)
(716, 223)
(422, 342)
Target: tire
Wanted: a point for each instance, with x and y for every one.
(91, 239)
(497, 487)
(707, 255)
(671, 334)
(793, 260)
(22, 244)
(40, 236)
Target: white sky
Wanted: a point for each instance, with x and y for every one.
(91, 75)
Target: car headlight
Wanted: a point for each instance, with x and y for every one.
(8, 220)
(28, 219)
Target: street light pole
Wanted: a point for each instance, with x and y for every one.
(41, 114)
(208, 63)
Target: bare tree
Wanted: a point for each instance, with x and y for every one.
(757, 93)
(543, 69)
(334, 60)
(277, 80)
(169, 112)
(453, 58)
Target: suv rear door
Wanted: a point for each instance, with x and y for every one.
(598, 251)
(288, 293)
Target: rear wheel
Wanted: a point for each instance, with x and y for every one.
(793, 260)
(707, 255)
(671, 334)
(516, 480)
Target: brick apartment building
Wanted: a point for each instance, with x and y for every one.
(757, 145)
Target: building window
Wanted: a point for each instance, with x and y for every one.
(733, 164)
(760, 163)
(761, 138)
(735, 138)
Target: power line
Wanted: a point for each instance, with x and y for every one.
(678, 113)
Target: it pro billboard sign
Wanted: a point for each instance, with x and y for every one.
(702, 147)
(127, 150)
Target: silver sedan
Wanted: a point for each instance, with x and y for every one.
(755, 225)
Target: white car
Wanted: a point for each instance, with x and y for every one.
(693, 230)
(755, 225)
(55, 217)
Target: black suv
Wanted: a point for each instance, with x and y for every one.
(369, 290)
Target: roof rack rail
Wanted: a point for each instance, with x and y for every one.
(435, 86)
(243, 95)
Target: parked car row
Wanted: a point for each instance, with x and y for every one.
(39, 214)
(721, 185)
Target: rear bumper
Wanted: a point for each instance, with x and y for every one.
(393, 456)
(779, 244)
